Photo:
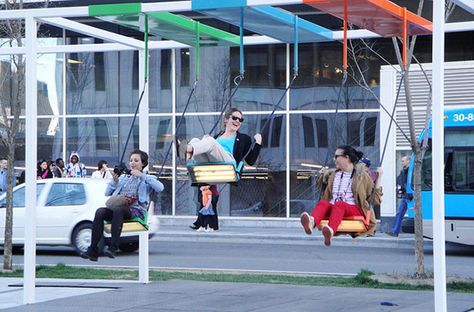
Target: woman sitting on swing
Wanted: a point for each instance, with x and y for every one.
(346, 194)
(228, 146)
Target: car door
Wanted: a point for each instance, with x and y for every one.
(64, 204)
(18, 213)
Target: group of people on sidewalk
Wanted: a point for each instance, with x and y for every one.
(47, 169)
(74, 169)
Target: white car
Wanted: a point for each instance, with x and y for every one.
(65, 210)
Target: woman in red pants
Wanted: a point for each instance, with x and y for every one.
(346, 194)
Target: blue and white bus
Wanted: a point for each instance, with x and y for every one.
(458, 175)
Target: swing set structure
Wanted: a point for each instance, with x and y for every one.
(375, 18)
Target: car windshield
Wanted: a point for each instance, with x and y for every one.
(19, 196)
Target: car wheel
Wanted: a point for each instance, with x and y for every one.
(129, 247)
(81, 237)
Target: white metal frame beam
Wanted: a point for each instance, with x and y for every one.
(169, 6)
(170, 44)
(467, 5)
(93, 32)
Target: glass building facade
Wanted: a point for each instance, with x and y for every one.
(86, 102)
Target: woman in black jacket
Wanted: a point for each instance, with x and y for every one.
(228, 146)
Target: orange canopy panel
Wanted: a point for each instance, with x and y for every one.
(380, 16)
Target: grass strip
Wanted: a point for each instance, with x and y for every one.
(362, 279)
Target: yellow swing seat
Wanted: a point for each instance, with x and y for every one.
(214, 172)
(131, 225)
(356, 224)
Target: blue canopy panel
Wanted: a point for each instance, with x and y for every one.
(266, 20)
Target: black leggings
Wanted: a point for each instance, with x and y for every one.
(117, 216)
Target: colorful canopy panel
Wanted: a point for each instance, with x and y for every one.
(164, 24)
(380, 16)
(266, 20)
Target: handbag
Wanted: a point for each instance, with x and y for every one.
(116, 201)
(120, 201)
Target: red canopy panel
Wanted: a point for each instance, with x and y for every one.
(380, 16)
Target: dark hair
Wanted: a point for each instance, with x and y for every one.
(58, 160)
(101, 163)
(143, 156)
(38, 165)
(3, 158)
(230, 111)
(352, 153)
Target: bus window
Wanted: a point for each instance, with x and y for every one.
(448, 171)
(426, 169)
(464, 171)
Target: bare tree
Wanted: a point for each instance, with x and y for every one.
(12, 100)
(418, 148)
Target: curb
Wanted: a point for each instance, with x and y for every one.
(246, 236)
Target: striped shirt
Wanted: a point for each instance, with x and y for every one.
(342, 188)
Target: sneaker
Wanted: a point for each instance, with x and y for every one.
(89, 255)
(209, 230)
(193, 227)
(307, 222)
(392, 234)
(201, 229)
(110, 252)
(328, 233)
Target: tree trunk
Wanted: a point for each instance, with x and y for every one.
(419, 248)
(417, 152)
(7, 247)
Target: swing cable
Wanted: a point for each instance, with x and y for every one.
(238, 79)
(277, 104)
(121, 165)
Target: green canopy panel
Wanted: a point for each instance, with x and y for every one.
(166, 25)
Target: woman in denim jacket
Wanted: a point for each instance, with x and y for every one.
(134, 188)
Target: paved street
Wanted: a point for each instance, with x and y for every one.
(274, 249)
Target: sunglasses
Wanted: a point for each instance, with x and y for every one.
(237, 118)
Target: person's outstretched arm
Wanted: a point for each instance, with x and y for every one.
(253, 155)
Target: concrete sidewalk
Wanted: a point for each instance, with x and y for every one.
(106, 295)
(289, 232)
(178, 295)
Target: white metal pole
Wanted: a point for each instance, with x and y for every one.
(30, 162)
(173, 129)
(287, 134)
(143, 258)
(388, 94)
(143, 121)
(64, 99)
(143, 117)
(439, 252)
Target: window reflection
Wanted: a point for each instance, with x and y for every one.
(312, 146)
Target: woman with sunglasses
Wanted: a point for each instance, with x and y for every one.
(347, 193)
(228, 146)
